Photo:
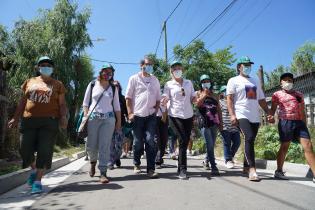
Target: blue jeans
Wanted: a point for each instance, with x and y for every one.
(144, 131)
(231, 143)
(210, 134)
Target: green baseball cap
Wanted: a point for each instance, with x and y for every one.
(176, 63)
(45, 59)
(204, 77)
(107, 66)
(244, 60)
(223, 88)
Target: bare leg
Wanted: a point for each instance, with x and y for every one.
(309, 153)
(281, 155)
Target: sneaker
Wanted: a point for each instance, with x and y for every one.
(92, 169)
(205, 165)
(215, 171)
(37, 188)
(111, 167)
(31, 179)
(253, 177)
(183, 174)
(103, 178)
(86, 158)
(153, 175)
(137, 169)
(124, 155)
(118, 163)
(173, 156)
(280, 175)
(314, 179)
(229, 164)
(158, 166)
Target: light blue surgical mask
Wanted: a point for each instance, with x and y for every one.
(46, 71)
(247, 70)
(206, 85)
(149, 69)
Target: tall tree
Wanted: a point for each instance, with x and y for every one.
(198, 60)
(304, 59)
(60, 33)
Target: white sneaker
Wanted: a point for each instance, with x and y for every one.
(229, 164)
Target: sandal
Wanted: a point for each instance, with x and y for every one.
(253, 177)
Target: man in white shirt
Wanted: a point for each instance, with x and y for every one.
(143, 101)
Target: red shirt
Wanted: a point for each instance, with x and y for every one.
(290, 104)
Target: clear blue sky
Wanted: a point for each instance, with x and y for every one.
(131, 28)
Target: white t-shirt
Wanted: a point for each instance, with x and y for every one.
(105, 105)
(180, 100)
(246, 93)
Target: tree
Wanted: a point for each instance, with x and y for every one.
(60, 33)
(304, 59)
(273, 78)
(198, 60)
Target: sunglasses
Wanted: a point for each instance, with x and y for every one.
(183, 91)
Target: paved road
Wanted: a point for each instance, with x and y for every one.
(128, 191)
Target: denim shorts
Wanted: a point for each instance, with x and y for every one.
(292, 130)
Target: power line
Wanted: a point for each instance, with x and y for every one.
(163, 28)
(253, 20)
(226, 9)
(157, 47)
(112, 62)
(173, 10)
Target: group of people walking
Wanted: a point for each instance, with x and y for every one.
(151, 110)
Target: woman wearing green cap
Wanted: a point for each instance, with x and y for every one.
(181, 94)
(43, 109)
(209, 108)
(102, 110)
(244, 96)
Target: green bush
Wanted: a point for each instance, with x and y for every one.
(267, 145)
(200, 145)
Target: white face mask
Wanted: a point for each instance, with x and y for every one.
(206, 85)
(247, 70)
(287, 85)
(178, 74)
(149, 69)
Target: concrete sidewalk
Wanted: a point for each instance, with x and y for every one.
(17, 178)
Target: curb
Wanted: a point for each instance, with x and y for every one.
(292, 168)
(17, 178)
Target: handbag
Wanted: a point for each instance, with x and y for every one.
(83, 129)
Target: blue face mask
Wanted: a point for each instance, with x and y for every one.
(46, 71)
(206, 85)
(149, 69)
(247, 70)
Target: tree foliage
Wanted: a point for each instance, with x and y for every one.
(304, 59)
(61, 33)
(198, 60)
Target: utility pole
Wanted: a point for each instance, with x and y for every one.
(165, 41)
(261, 77)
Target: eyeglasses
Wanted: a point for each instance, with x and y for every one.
(183, 91)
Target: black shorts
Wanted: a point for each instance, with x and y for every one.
(292, 130)
(38, 134)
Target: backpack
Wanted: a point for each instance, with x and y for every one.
(81, 112)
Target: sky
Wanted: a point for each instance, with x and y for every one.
(268, 31)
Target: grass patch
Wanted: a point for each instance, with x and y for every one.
(68, 151)
(10, 168)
